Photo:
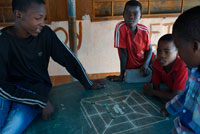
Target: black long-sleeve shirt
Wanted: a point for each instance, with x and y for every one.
(24, 66)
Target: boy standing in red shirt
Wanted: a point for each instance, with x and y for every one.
(133, 42)
(169, 69)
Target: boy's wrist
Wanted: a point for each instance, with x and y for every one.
(145, 65)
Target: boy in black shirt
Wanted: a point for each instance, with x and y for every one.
(26, 48)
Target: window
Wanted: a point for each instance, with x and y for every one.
(6, 14)
(113, 9)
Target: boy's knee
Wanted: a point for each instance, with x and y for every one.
(4, 110)
(19, 119)
(14, 123)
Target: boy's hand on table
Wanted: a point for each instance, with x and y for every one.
(164, 111)
(47, 111)
(115, 78)
(148, 89)
(145, 70)
(98, 84)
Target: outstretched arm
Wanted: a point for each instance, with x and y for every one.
(123, 61)
(164, 94)
(64, 56)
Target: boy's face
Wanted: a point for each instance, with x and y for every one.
(32, 21)
(188, 51)
(166, 52)
(132, 15)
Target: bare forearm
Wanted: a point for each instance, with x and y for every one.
(123, 61)
(164, 94)
(122, 70)
(148, 55)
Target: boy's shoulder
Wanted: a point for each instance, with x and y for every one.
(46, 32)
(179, 63)
(121, 24)
(195, 72)
(5, 41)
(157, 65)
(142, 29)
(47, 28)
(142, 26)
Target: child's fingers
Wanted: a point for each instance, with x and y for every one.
(146, 86)
(110, 77)
(98, 84)
(164, 112)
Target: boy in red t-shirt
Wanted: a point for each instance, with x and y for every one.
(169, 69)
(133, 42)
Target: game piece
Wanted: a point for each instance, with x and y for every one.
(115, 109)
(108, 110)
(117, 106)
(120, 111)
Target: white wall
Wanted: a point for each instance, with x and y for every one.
(97, 53)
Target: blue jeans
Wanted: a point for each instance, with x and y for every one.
(15, 117)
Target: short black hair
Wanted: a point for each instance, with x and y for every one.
(187, 26)
(166, 37)
(23, 5)
(133, 3)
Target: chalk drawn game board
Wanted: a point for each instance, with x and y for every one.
(120, 112)
(119, 108)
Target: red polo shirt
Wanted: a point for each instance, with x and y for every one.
(136, 45)
(175, 79)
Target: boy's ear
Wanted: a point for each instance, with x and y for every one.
(18, 14)
(140, 14)
(196, 45)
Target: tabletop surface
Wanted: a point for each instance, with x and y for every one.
(119, 108)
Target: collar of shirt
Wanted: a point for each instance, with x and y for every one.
(175, 66)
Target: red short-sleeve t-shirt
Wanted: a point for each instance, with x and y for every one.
(136, 45)
(175, 79)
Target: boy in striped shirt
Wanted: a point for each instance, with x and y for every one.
(186, 34)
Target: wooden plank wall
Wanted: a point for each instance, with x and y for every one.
(58, 9)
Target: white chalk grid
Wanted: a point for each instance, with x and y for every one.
(120, 112)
